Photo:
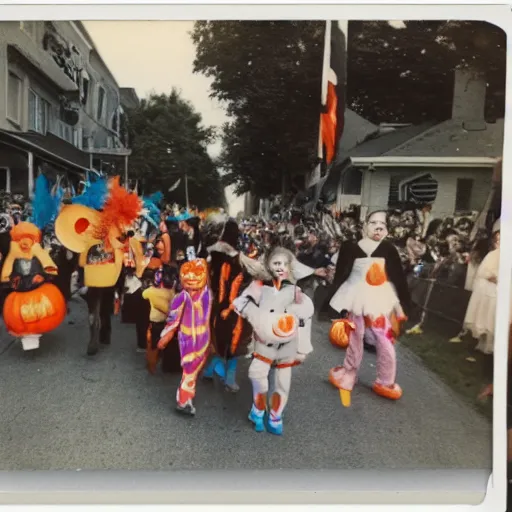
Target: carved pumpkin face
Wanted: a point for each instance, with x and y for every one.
(376, 275)
(339, 334)
(193, 274)
(34, 312)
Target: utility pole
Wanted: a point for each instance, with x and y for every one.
(186, 191)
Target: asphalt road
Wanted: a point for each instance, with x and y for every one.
(61, 409)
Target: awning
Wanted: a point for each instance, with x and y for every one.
(48, 147)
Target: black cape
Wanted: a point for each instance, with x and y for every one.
(223, 330)
(350, 251)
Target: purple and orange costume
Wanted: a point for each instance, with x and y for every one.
(189, 315)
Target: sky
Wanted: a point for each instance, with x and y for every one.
(154, 56)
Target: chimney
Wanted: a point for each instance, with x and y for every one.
(469, 92)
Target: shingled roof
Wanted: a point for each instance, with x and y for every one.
(451, 139)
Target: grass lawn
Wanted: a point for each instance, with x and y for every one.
(448, 361)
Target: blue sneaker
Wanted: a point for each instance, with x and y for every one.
(258, 418)
(275, 426)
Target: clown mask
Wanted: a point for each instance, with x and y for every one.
(376, 227)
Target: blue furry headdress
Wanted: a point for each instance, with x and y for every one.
(182, 216)
(95, 193)
(45, 205)
(151, 206)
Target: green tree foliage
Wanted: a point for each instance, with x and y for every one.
(168, 140)
(268, 74)
(406, 75)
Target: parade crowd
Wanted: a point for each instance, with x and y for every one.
(203, 290)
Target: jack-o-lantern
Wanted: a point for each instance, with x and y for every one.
(376, 275)
(35, 306)
(193, 274)
(35, 312)
(339, 334)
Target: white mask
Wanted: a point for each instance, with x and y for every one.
(376, 227)
(279, 267)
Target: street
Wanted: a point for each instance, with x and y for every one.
(63, 410)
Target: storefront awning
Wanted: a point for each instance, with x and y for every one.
(49, 148)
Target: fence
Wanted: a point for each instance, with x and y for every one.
(440, 306)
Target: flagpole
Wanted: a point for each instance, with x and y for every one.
(316, 174)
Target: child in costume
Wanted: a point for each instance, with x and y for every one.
(189, 315)
(135, 310)
(98, 237)
(35, 306)
(281, 316)
(159, 294)
(370, 289)
(230, 274)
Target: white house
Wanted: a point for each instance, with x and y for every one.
(449, 164)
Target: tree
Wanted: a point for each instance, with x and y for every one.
(406, 74)
(268, 75)
(168, 140)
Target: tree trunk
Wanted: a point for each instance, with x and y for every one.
(283, 184)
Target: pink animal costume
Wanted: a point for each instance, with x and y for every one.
(189, 315)
(370, 285)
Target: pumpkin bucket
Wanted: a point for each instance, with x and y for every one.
(30, 342)
(339, 334)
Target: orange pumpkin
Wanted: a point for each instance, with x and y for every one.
(193, 274)
(376, 275)
(339, 334)
(34, 312)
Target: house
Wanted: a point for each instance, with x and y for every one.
(61, 107)
(448, 165)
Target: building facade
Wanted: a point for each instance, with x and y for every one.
(60, 105)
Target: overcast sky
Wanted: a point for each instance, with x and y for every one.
(154, 56)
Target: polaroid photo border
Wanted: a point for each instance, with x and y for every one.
(441, 488)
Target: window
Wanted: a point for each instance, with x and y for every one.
(419, 189)
(38, 113)
(78, 137)
(29, 27)
(84, 88)
(14, 98)
(116, 117)
(101, 103)
(65, 132)
(463, 195)
(352, 182)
